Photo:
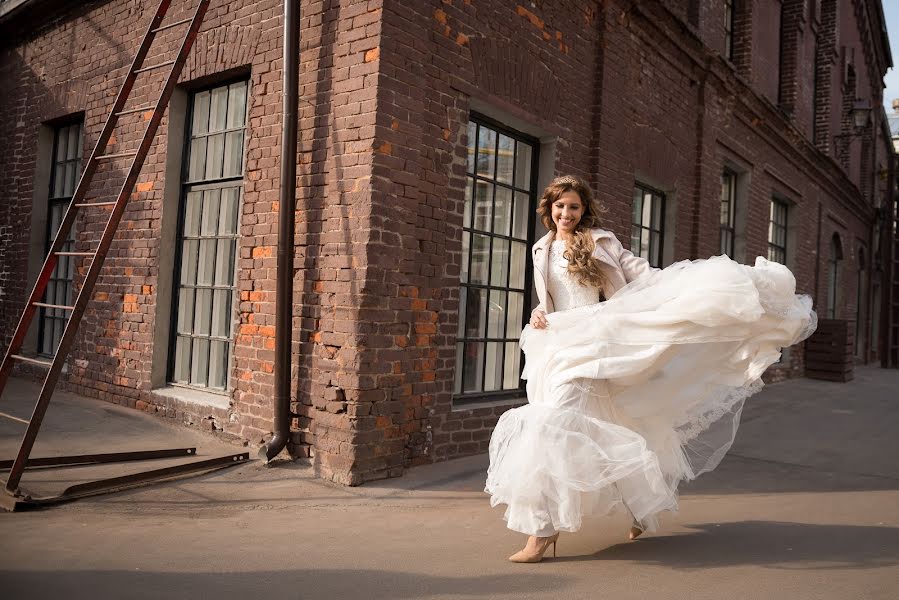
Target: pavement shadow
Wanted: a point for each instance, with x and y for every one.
(307, 584)
(772, 544)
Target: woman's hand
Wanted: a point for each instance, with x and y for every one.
(538, 319)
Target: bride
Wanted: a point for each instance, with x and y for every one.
(636, 376)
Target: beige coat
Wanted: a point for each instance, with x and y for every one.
(619, 266)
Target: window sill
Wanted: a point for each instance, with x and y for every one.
(194, 396)
(486, 403)
(51, 358)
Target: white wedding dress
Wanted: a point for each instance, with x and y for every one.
(631, 396)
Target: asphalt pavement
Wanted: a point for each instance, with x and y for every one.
(804, 507)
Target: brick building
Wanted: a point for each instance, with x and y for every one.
(427, 129)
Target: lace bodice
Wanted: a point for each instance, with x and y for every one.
(565, 290)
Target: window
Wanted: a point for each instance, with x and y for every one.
(693, 12)
(64, 173)
(647, 224)
(777, 231)
(833, 276)
(728, 212)
(874, 340)
(211, 197)
(729, 29)
(861, 312)
(500, 198)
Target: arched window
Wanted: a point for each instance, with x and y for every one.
(833, 278)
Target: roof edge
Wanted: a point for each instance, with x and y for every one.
(884, 34)
(8, 8)
(18, 17)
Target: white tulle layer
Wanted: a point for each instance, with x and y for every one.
(630, 397)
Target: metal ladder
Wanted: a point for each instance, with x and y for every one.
(97, 258)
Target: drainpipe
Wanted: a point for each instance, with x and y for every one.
(286, 209)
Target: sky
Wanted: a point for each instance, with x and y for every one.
(891, 10)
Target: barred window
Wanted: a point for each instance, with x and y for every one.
(728, 212)
(861, 306)
(777, 231)
(207, 242)
(500, 198)
(729, 29)
(647, 224)
(693, 12)
(64, 174)
(833, 277)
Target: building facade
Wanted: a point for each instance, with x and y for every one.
(427, 130)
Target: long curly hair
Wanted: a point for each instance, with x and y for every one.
(579, 252)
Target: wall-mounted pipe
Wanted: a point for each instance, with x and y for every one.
(286, 209)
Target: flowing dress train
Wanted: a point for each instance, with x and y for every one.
(631, 396)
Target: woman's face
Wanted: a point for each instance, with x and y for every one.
(567, 211)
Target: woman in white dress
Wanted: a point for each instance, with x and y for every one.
(636, 376)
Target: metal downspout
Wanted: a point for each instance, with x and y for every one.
(286, 210)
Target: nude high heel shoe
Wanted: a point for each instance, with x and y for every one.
(536, 555)
(636, 531)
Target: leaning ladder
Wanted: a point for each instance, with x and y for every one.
(97, 258)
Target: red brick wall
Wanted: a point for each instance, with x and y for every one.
(669, 115)
(766, 48)
(434, 57)
(339, 268)
(76, 64)
(629, 91)
(53, 71)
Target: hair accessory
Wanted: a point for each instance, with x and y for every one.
(568, 180)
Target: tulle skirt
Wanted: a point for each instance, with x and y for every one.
(629, 397)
